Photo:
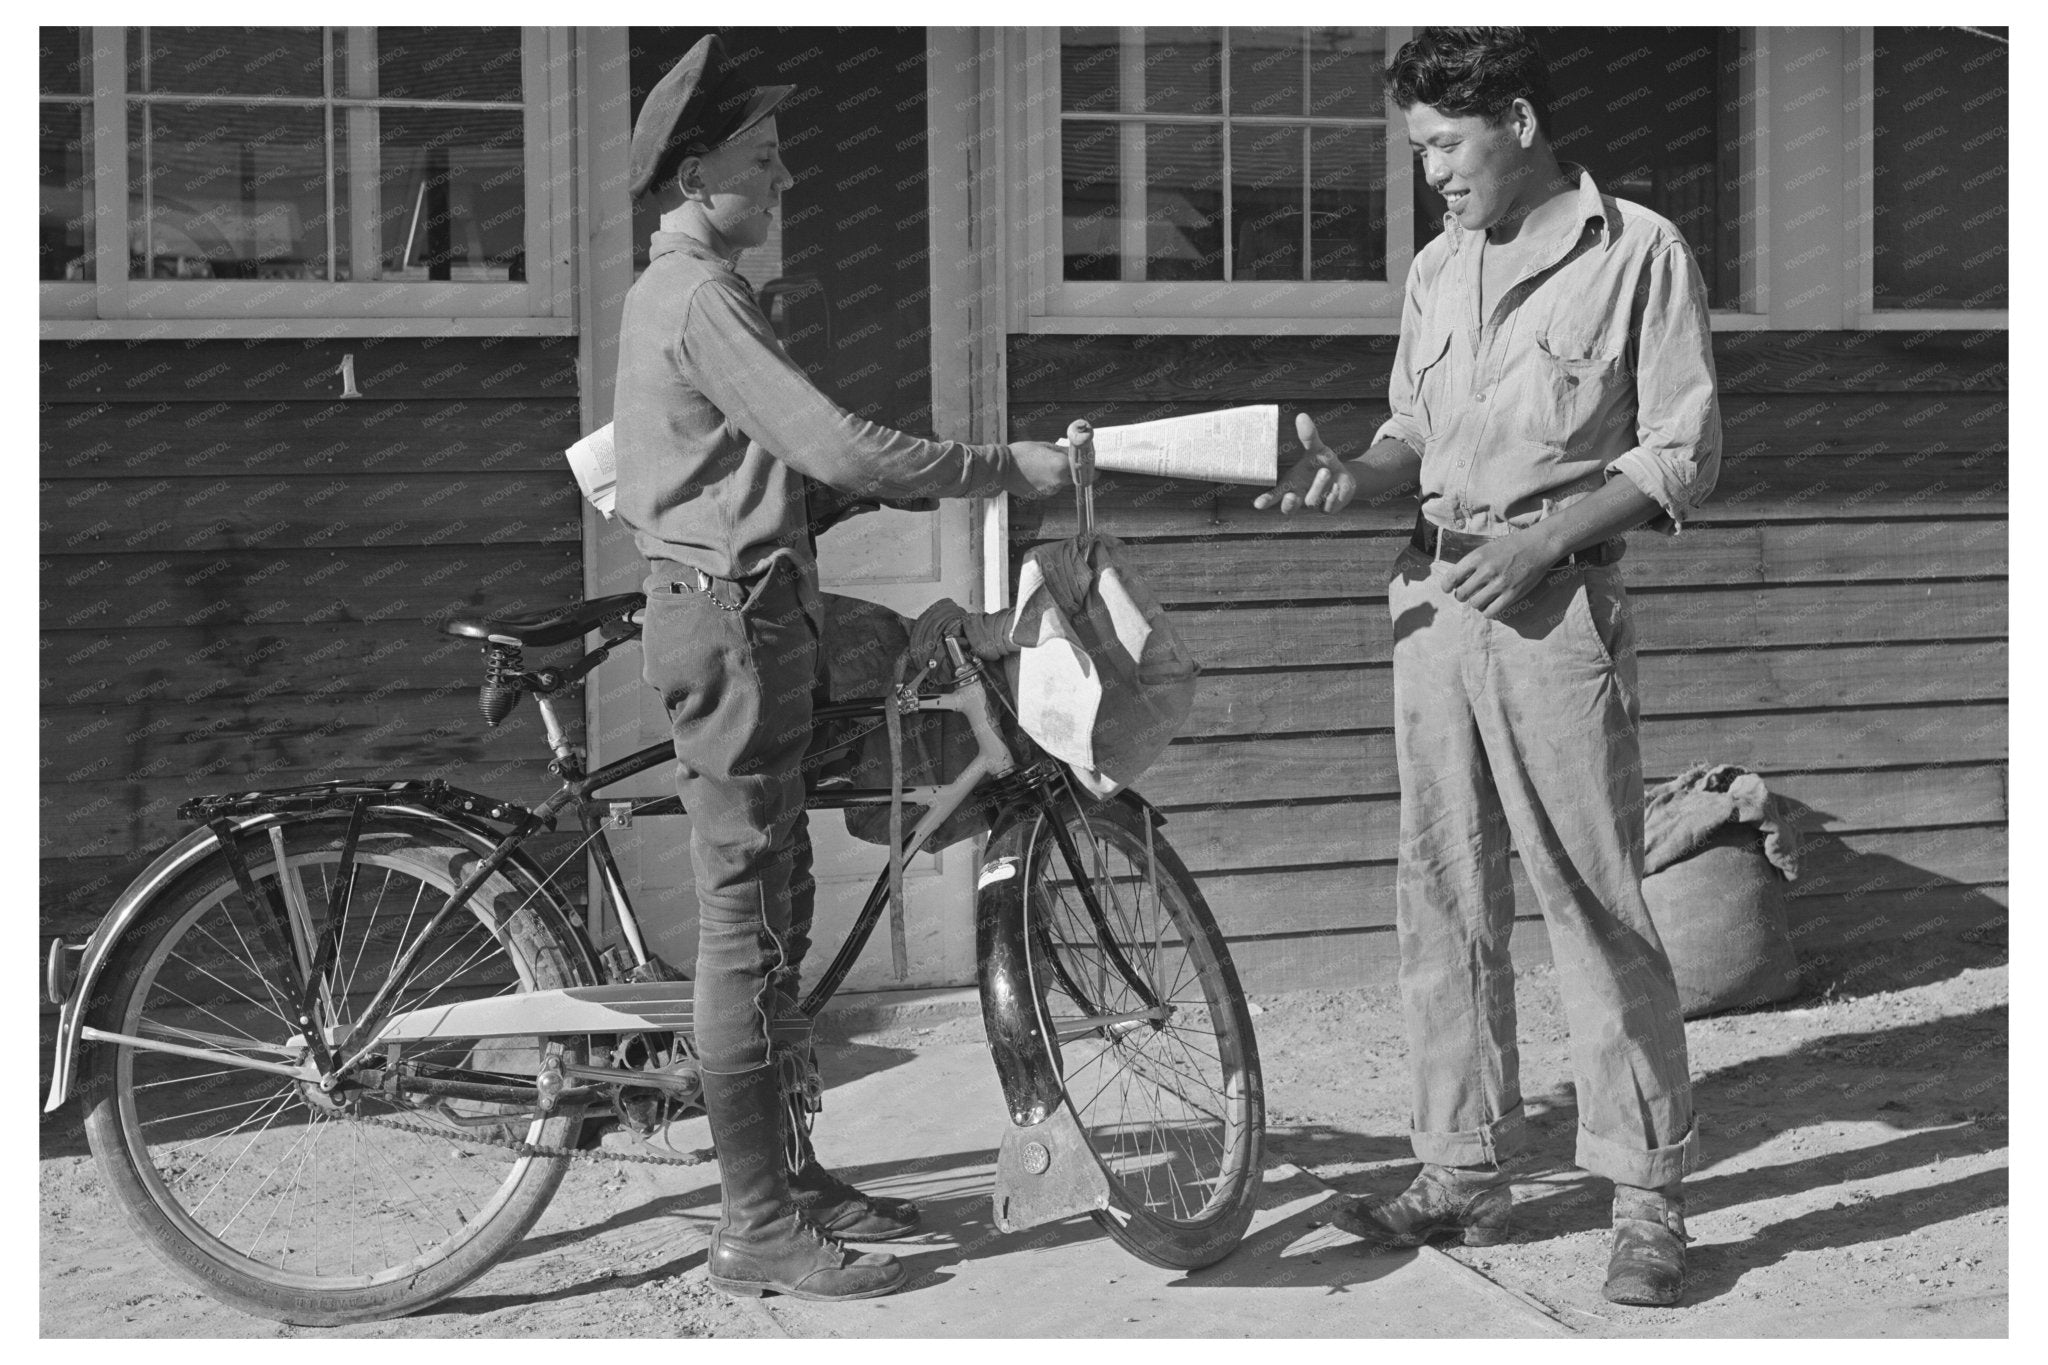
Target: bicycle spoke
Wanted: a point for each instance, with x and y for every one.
(200, 1113)
(283, 1103)
(282, 1003)
(309, 1140)
(226, 1023)
(1157, 1098)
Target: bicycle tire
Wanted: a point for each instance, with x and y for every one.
(1183, 1168)
(382, 1222)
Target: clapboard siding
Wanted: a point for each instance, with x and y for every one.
(1168, 367)
(1835, 618)
(242, 574)
(1775, 426)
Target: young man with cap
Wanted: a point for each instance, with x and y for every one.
(717, 432)
(1552, 389)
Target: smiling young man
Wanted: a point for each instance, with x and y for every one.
(1553, 388)
(721, 439)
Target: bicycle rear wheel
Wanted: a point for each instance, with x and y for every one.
(1143, 1012)
(285, 1201)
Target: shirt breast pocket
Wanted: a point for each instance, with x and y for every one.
(1432, 370)
(1575, 375)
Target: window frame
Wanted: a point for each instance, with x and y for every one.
(74, 298)
(1056, 304)
(112, 305)
(1860, 196)
(1046, 303)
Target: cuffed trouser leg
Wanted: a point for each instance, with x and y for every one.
(1454, 904)
(1531, 719)
(1558, 712)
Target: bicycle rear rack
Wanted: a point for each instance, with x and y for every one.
(435, 794)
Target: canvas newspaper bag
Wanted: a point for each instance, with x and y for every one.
(1103, 679)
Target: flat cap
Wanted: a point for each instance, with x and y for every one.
(693, 108)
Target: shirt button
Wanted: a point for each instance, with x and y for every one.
(1479, 397)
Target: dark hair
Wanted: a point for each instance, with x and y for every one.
(1463, 71)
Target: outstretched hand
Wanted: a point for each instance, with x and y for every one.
(1319, 479)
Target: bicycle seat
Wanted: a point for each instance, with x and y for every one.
(547, 627)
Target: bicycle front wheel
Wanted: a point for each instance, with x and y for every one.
(283, 1200)
(1141, 1006)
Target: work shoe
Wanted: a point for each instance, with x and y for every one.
(1647, 1266)
(789, 1256)
(762, 1244)
(845, 1211)
(1446, 1202)
(832, 1205)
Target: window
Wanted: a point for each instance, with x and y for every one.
(1251, 177)
(64, 127)
(1176, 142)
(1219, 172)
(1656, 115)
(273, 172)
(1937, 146)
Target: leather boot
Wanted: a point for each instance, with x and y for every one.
(1647, 1266)
(835, 1207)
(761, 1243)
(1442, 1202)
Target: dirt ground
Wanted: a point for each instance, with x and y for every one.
(1855, 1183)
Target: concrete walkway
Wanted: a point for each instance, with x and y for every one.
(925, 1125)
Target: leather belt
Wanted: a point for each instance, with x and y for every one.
(727, 594)
(1440, 543)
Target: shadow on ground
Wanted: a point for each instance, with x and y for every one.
(1864, 922)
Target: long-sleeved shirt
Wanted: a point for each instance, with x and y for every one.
(1596, 363)
(715, 428)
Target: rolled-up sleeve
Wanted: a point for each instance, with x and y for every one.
(734, 360)
(1405, 424)
(1677, 455)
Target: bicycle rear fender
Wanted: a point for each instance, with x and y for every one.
(260, 810)
(1026, 1060)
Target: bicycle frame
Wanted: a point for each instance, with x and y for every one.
(993, 759)
(460, 813)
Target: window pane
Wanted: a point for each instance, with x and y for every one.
(1266, 202)
(453, 194)
(66, 62)
(227, 61)
(1348, 204)
(440, 64)
(1183, 202)
(1090, 171)
(227, 192)
(1347, 72)
(1940, 157)
(1266, 77)
(1653, 114)
(1090, 59)
(1183, 73)
(64, 235)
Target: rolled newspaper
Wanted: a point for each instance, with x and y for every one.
(1229, 445)
(596, 468)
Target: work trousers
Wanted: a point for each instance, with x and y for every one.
(737, 679)
(1527, 725)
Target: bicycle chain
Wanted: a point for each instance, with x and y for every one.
(525, 1148)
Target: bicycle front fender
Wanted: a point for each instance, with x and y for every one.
(1027, 1060)
(200, 844)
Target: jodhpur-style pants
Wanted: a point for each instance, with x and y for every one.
(1527, 726)
(738, 683)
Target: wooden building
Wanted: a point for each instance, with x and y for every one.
(316, 330)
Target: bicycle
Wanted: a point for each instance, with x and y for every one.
(336, 1045)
